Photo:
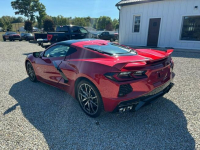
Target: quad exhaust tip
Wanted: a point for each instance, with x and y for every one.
(125, 109)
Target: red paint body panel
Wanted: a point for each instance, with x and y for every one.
(93, 65)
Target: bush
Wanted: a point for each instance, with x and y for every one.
(49, 25)
(28, 26)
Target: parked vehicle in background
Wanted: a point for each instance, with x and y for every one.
(96, 34)
(27, 36)
(103, 75)
(62, 33)
(11, 36)
(107, 36)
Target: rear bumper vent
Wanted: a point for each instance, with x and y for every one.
(124, 90)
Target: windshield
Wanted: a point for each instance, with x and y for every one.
(11, 33)
(29, 34)
(111, 49)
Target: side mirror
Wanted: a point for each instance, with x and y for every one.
(36, 54)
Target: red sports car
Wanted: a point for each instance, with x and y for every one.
(102, 75)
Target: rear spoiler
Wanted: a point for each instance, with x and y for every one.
(139, 63)
(169, 51)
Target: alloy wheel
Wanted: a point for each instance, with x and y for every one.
(30, 72)
(88, 99)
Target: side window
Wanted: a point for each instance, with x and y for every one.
(57, 51)
(83, 30)
(75, 30)
(106, 33)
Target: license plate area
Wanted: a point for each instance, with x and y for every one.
(160, 76)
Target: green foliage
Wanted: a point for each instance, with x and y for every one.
(115, 24)
(48, 24)
(61, 21)
(28, 8)
(28, 26)
(5, 23)
(42, 14)
(104, 22)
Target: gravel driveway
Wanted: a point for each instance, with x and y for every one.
(38, 116)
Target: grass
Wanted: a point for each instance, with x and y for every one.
(1, 38)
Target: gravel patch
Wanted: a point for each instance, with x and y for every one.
(38, 116)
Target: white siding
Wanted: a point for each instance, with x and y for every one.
(171, 13)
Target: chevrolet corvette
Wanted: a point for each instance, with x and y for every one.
(103, 76)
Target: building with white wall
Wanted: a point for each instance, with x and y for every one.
(162, 23)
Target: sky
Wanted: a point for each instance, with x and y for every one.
(70, 8)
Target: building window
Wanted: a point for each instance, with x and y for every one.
(191, 28)
(136, 23)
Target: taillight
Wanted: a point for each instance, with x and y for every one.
(49, 37)
(126, 76)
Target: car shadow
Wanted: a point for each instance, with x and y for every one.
(58, 116)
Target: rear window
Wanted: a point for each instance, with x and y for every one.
(62, 29)
(111, 49)
(11, 33)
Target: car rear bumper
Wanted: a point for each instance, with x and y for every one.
(138, 98)
(136, 104)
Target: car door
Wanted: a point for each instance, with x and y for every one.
(103, 36)
(45, 66)
(78, 32)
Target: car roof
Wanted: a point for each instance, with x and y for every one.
(81, 42)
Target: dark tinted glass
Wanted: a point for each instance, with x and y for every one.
(11, 33)
(57, 51)
(62, 29)
(191, 28)
(75, 30)
(111, 48)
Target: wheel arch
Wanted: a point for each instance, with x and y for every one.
(79, 79)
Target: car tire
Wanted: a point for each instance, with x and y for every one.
(111, 40)
(89, 98)
(4, 39)
(30, 71)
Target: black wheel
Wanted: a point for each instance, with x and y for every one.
(4, 39)
(111, 40)
(89, 98)
(31, 72)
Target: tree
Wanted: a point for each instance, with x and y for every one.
(48, 25)
(6, 23)
(79, 21)
(115, 24)
(17, 20)
(28, 8)
(104, 22)
(61, 21)
(28, 26)
(42, 14)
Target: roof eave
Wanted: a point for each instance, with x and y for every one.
(135, 3)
